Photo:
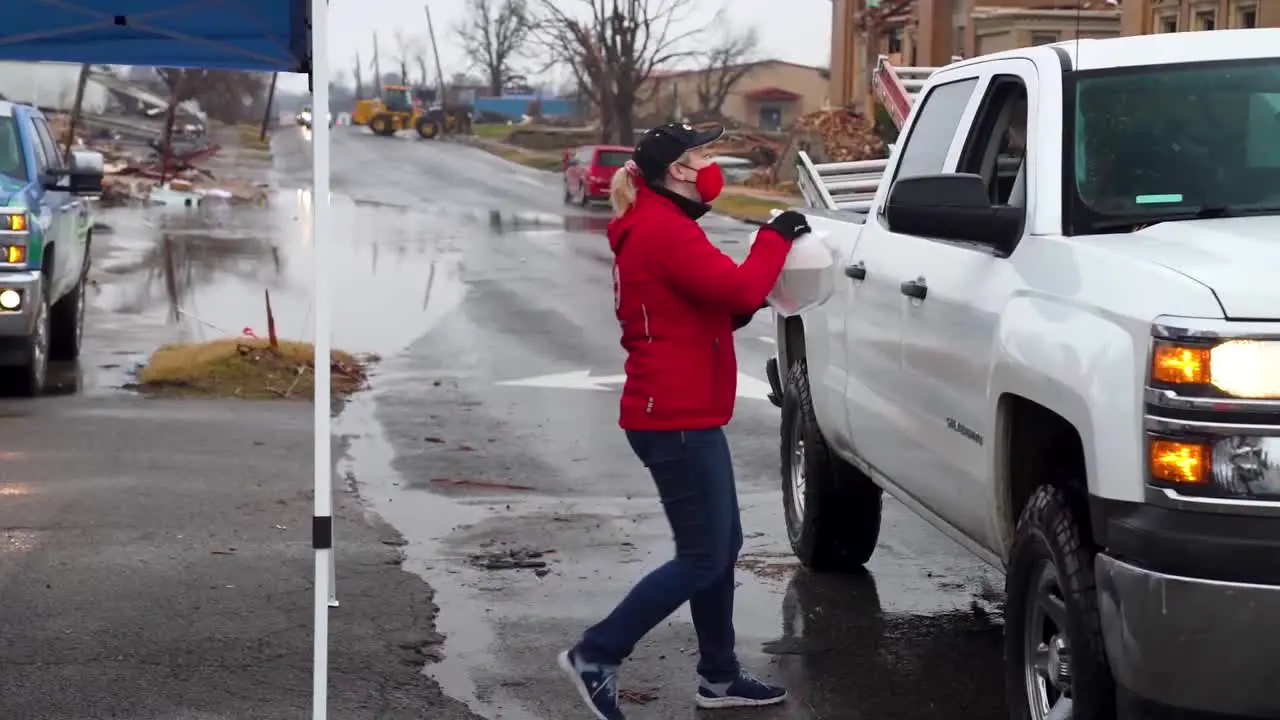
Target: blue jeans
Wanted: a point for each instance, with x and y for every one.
(694, 475)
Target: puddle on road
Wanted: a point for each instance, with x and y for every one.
(199, 274)
(920, 632)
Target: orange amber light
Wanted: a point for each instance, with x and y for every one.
(1183, 463)
(1178, 365)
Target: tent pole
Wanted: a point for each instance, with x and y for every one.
(322, 522)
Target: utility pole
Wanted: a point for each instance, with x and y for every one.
(266, 111)
(76, 111)
(435, 50)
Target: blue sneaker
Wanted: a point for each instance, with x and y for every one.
(746, 690)
(597, 684)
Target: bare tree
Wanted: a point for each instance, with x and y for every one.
(358, 73)
(226, 95)
(724, 64)
(420, 59)
(614, 49)
(406, 47)
(494, 35)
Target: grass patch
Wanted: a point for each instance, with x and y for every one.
(245, 368)
(249, 137)
(492, 131)
(551, 162)
(750, 207)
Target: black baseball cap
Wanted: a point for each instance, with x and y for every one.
(663, 145)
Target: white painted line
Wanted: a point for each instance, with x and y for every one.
(766, 339)
(748, 386)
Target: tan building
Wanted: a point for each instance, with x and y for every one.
(1147, 17)
(930, 33)
(769, 95)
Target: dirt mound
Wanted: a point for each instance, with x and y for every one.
(246, 368)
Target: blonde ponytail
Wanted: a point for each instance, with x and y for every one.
(622, 191)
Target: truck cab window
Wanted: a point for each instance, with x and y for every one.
(997, 143)
(12, 163)
(934, 128)
(42, 159)
(47, 142)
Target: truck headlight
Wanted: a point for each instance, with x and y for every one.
(1239, 368)
(10, 300)
(1244, 467)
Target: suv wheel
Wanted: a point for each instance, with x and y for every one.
(832, 509)
(1055, 663)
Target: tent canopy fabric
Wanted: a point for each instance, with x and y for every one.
(265, 35)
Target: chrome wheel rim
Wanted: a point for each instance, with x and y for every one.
(40, 347)
(798, 480)
(1046, 652)
(80, 305)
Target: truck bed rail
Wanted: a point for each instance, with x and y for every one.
(853, 185)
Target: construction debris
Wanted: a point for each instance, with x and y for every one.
(133, 165)
(845, 135)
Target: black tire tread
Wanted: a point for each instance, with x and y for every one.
(62, 325)
(1051, 518)
(844, 505)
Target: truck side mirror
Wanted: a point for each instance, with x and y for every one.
(86, 173)
(953, 206)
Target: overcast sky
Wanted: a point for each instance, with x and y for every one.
(794, 30)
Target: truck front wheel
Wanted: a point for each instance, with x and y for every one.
(35, 368)
(67, 323)
(1055, 664)
(832, 509)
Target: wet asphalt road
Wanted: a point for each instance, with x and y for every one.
(155, 555)
(467, 273)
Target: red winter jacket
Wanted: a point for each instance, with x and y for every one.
(676, 296)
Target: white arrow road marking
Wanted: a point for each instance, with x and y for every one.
(748, 387)
(573, 380)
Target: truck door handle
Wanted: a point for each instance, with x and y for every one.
(856, 271)
(915, 288)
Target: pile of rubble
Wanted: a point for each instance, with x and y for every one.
(845, 135)
(133, 165)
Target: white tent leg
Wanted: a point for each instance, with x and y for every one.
(320, 237)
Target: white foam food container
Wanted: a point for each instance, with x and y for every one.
(806, 280)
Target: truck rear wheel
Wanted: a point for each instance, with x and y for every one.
(832, 509)
(1054, 657)
(427, 128)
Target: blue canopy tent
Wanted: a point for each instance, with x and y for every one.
(265, 35)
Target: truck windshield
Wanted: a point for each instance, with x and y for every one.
(12, 164)
(1165, 142)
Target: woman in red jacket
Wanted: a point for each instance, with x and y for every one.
(679, 299)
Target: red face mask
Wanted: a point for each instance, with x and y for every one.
(709, 182)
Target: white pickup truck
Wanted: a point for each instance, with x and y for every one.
(1055, 335)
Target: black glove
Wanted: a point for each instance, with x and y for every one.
(789, 224)
(741, 321)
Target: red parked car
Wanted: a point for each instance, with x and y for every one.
(588, 170)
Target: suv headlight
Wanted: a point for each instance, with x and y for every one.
(1212, 416)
